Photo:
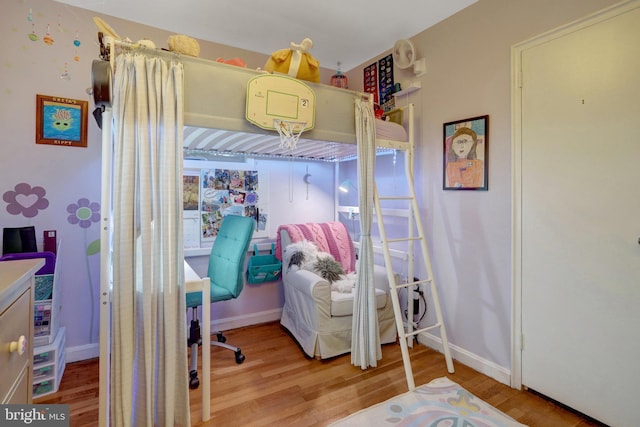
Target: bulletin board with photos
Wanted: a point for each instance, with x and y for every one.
(212, 193)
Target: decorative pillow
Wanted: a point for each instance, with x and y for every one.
(296, 260)
(299, 255)
(328, 268)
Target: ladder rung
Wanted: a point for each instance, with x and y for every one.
(420, 282)
(402, 285)
(404, 239)
(406, 285)
(419, 331)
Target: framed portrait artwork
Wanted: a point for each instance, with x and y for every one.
(61, 121)
(465, 154)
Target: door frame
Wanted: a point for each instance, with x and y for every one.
(516, 165)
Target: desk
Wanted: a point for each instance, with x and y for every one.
(194, 283)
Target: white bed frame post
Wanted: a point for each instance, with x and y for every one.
(105, 272)
(104, 399)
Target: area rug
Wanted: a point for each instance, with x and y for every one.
(441, 403)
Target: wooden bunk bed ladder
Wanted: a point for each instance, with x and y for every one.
(415, 234)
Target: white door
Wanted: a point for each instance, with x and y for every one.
(580, 223)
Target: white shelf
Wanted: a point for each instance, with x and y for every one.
(414, 87)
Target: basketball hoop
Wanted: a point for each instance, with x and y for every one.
(289, 132)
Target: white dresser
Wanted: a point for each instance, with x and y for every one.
(16, 329)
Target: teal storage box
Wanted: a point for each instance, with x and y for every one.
(263, 268)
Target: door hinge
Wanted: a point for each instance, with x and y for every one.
(520, 79)
(521, 342)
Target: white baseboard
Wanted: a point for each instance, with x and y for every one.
(246, 320)
(90, 351)
(486, 367)
(82, 352)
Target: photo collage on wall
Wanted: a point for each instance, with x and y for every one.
(216, 193)
(228, 192)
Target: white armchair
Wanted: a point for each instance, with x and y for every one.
(318, 317)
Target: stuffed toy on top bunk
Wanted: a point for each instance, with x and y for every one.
(296, 62)
(319, 276)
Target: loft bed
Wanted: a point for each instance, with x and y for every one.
(215, 106)
(215, 124)
(215, 98)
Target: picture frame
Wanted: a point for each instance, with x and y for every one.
(61, 121)
(465, 159)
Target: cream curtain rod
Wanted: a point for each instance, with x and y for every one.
(109, 45)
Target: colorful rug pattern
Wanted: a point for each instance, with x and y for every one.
(441, 403)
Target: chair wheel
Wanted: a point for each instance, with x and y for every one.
(221, 338)
(194, 382)
(239, 357)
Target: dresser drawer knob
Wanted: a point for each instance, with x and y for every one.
(20, 346)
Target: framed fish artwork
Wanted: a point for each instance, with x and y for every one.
(61, 121)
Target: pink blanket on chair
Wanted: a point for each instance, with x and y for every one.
(331, 237)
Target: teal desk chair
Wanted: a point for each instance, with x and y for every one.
(227, 274)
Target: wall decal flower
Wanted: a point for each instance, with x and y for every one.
(25, 200)
(83, 213)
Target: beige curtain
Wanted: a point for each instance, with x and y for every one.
(148, 344)
(365, 340)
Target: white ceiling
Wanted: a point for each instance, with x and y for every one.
(349, 31)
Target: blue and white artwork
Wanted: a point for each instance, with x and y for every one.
(61, 122)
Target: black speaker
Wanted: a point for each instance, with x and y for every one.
(97, 114)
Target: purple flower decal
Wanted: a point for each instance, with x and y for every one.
(25, 200)
(83, 213)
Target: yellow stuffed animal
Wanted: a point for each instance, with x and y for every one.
(296, 62)
(185, 45)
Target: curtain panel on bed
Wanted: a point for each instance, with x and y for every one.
(148, 354)
(365, 340)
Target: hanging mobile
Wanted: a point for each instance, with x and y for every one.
(65, 74)
(33, 36)
(30, 16)
(76, 43)
(47, 39)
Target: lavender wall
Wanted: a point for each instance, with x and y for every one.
(57, 187)
(468, 74)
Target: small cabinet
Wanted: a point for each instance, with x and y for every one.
(16, 329)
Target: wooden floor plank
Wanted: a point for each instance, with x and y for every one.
(278, 385)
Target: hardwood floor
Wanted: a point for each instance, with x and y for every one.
(278, 385)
